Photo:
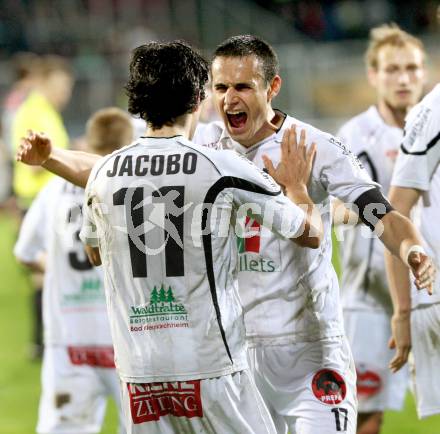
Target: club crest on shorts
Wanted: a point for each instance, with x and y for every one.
(329, 387)
(368, 383)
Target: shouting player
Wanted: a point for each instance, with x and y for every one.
(299, 355)
(78, 365)
(162, 211)
(395, 65)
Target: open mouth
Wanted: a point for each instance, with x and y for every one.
(237, 119)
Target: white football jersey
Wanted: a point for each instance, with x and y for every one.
(171, 264)
(74, 309)
(418, 167)
(376, 144)
(300, 296)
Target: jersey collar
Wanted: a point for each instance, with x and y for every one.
(158, 142)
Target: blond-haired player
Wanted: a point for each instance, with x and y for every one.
(396, 71)
(78, 370)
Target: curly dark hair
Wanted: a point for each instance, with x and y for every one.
(167, 80)
(249, 45)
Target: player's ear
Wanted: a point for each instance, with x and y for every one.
(372, 76)
(274, 88)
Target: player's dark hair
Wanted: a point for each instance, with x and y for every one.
(249, 45)
(167, 80)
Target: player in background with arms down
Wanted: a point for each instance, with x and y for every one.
(297, 312)
(416, 319)
(40, 111)
(396, 70)
(78, 372)
(299, 355)
(186, 369)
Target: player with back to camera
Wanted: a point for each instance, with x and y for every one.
(78, 372)
(396, 70)
(170, 262)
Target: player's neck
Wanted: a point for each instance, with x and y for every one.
(274, 121)
(392, 116)
(181, 127)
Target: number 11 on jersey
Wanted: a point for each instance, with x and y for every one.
(172, 198)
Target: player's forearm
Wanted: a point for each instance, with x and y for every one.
(399, 284)
(313, 228)
(74, 166)
(399, 235)
(343, 215)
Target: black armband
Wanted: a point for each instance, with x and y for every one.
(372, 206)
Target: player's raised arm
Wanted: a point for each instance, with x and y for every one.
(293, 174)
(36, 150)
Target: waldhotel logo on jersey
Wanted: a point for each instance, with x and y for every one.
(162, 312)
(249, 250)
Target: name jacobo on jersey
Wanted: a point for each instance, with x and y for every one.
(161, 211)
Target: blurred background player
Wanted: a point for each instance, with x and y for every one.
(396, 70)
(26, 71)
(41, 111)
(416, 319)
(78, 372)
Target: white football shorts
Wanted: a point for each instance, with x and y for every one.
(378, 389)
(425, 336)
(75, 390)
(229, 404)
(309, 387)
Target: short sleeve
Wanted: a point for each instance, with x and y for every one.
(339, 170)
(347, 136)
(419, 155)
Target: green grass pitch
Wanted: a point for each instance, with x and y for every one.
(20, 378)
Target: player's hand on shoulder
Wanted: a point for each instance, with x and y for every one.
(423, 270)
(400, 340)
(34, 149)
(293, 171)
